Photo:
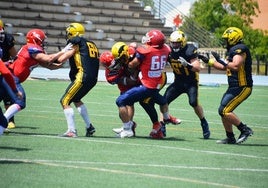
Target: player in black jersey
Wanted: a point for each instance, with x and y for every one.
(84, 67)
(186, 66)
(238, 68)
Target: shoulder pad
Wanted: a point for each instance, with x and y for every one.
(144, 49)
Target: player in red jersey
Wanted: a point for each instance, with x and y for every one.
(7, 83)
(117, 73)
(31, 55)
(151, 59)
(7, 53)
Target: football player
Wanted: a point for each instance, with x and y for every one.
(84, 68)
(186, 66)
(126, 79)
(150, 59)
(7, 83)
(7, 53)
(238, 68)
(117, 73)
(30, 55)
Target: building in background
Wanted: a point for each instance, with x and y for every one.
(261, 22)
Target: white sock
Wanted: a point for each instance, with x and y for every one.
(69, 115)
(11, 111)
(128, 125)
(83, 112)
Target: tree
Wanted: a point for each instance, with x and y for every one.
(217, 15)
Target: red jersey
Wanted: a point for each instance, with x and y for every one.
(113, 77)
(24, 62)
(153, 62)
(7, 75)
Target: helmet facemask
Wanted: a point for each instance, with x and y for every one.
(154, 38)
(146, 39)
(176, 46)
(177, 40)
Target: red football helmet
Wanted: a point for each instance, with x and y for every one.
(154, 38)
(107, 60)
(36, 36)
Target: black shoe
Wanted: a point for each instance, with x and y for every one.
(227, 140)
(245, 133)
(206, 131)
(163, 128)
(90, 131)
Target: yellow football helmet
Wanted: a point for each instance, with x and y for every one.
(2, 24)
(177, 40)
(232, 35)
(74, 29)
(120, 51)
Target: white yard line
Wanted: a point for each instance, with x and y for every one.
(156, 146)
(65, 165)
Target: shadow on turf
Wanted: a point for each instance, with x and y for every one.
(141, 137)
(11, 162)
(26, 127)
(25, 133)
(136, 137)
(248, 144)
(14, 148)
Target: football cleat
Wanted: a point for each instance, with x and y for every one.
(245, 133)
(206, 131)
(11, 125)
(156, 131)
(90, 131)
(119, 130)
(126, 133)
(172, 120)
(227, 140)
(71, 134)
(157, 135)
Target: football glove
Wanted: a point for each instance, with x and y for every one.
(206, 60)
(67, 47)
(219, 59)
(115, 65)
(185, 63)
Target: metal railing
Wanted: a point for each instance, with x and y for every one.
(193, 30)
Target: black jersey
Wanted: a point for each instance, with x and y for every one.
(243, 76)
(183, 73)
(84, 63)
(6, 45)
